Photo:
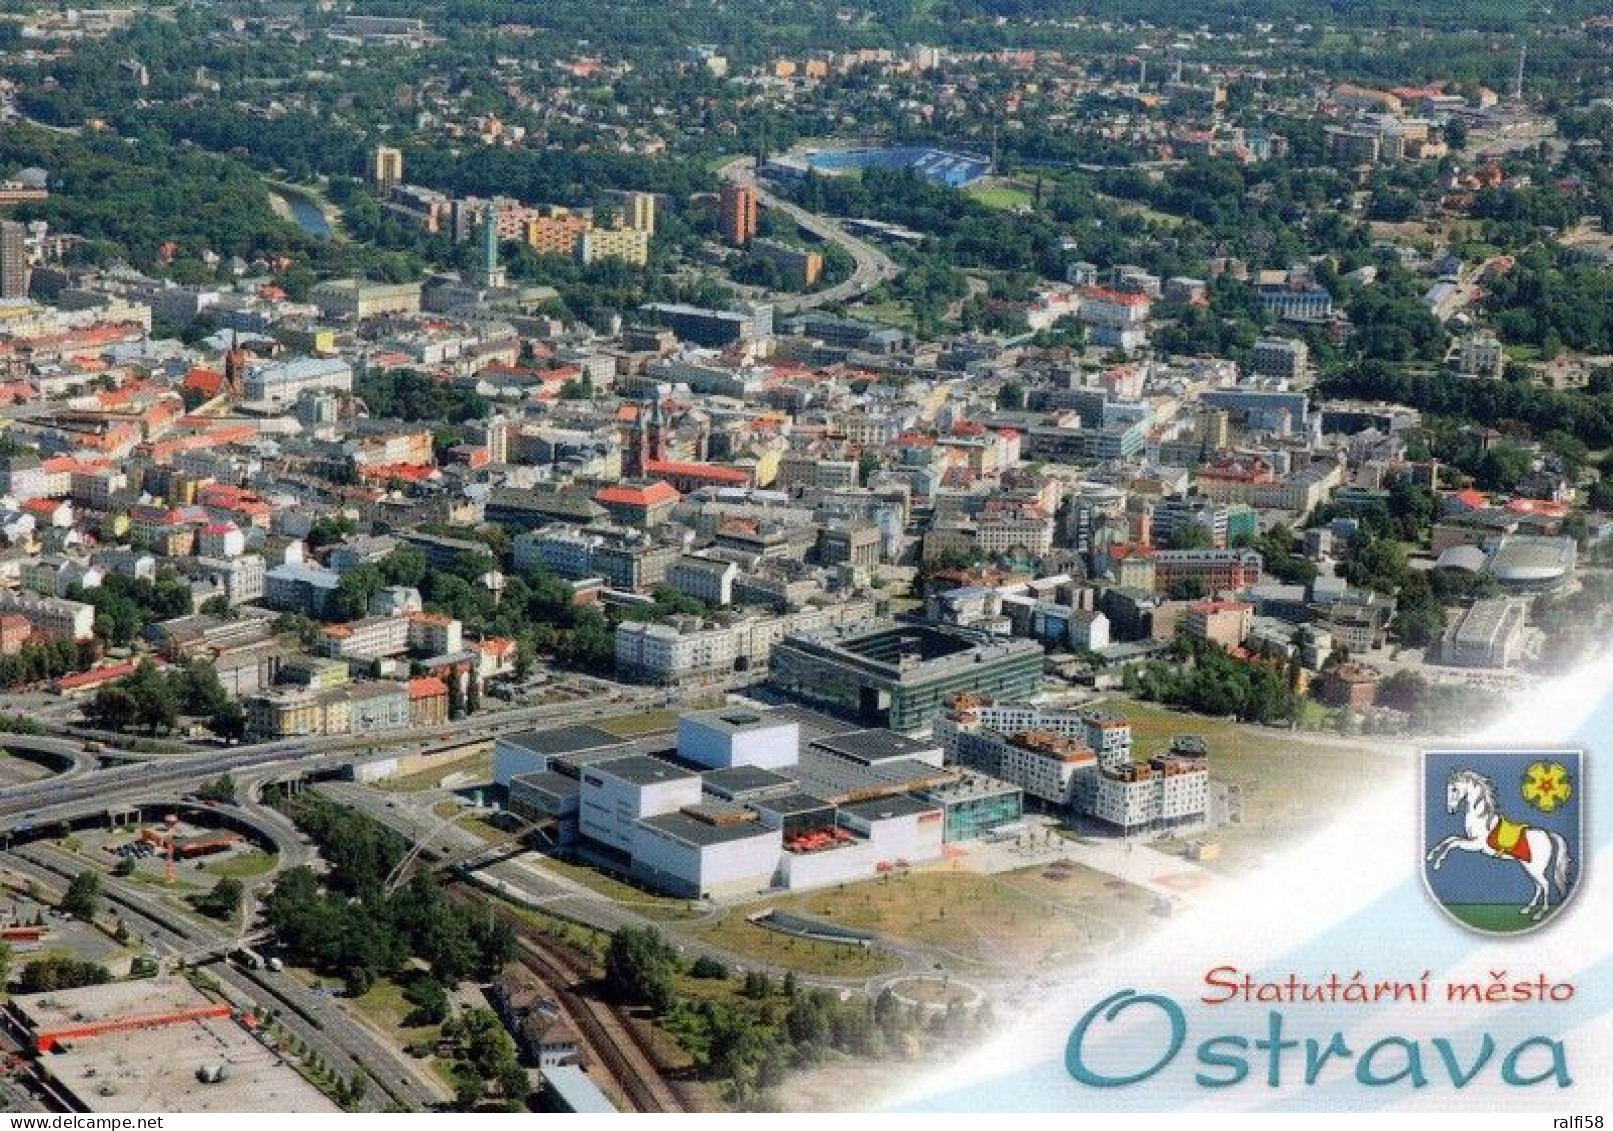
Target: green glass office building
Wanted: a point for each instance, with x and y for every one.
(899, 675)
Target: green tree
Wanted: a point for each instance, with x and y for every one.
(220, 789)
(228, 722)
(223, 902)
(430, 1000)
(708, 967)
(641, 969)
(469, 1088)
(1191, 536)
(83, 896)
(61, 972)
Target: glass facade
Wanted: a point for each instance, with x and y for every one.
(968, 818)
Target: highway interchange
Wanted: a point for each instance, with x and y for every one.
(872, 266)
(34, 816)
(86, 790)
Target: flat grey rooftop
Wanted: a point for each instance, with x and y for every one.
(562, 740)
(640, 769)
(690, 830)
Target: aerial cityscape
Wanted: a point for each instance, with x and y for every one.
(701, 556)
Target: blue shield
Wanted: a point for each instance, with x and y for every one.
(1502, 835)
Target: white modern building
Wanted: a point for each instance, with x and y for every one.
(621, 792)
(737, 736)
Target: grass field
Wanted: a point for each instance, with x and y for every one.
(16, 771)
(996, 192)
(242, 865)
(1136, 208)
(385, 1008)
(897, 314)
(646, 903)
(1287, 781)
(477, 826)
(976, 921)
(745, 939)
(153, 876)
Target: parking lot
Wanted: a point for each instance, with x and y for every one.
(202, 855)
(57, 934)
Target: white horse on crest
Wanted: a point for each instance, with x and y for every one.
(1541, 853)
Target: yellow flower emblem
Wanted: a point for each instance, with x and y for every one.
(1546, 785)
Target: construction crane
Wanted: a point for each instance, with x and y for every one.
(171, 821)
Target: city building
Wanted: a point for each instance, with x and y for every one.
(1488, 634)
(1286, 359)
(736, 213)
(1211, 571)
(386, 168)
(13, 260)
(799, 266)
(1225, 624)
(359, 299)
(282, 383)
(50, 617)
(1352, 685)
(900, 676)
(153, 1046)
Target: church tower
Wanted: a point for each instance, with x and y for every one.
(655, 434)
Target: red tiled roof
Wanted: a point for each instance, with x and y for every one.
(208, 382)
(712, 472)
(426, 687)
(647, 495)
(1104, 294)
(96, 675)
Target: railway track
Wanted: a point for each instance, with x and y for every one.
(611, 1041)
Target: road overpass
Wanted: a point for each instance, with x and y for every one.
(871, 265)
(39, 801)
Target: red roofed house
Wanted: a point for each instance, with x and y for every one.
(207, 383)
(58, 475)
(51, 512)
(497, 656)
(81, 682)
(14, 633)
(428, 701)
(1132, 566)
(688, 477)
(1222, 623)
(641, 504)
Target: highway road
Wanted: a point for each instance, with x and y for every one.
(343, 1043)
(174, 933)
(36, 802)
(66, 757)
(872, 266)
